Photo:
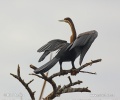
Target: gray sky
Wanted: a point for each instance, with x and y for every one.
(27, 25)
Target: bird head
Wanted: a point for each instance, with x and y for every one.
(67, 20)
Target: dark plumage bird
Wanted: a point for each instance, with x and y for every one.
(67, 51)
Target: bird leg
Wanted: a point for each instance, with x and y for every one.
(61, 70)
(73, 70)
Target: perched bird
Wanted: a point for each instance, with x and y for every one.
(78, 45)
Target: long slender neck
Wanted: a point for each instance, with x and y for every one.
(73, 36)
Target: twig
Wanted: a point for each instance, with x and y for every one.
(33, 67)
(30, 82)
(88, 72)
(26, 85)
(18, 71)
(89, 63)
(37, 75)
(70, 80)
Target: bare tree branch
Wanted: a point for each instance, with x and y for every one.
(37, 75)
(69, 90)
(57, 89)
(30, 82)
(89, 63)
(26, 85)
(33, 67)
(88, 72)
(70, 80)
(67, 87)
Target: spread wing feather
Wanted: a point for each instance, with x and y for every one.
(84, 41)
(83, 38)
(51, 46)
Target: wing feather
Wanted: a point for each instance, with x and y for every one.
(52, 45)
(85, 48)
(83, 38)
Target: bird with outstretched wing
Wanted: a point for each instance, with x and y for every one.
(67, 51)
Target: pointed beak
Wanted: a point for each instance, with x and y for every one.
(61, 20)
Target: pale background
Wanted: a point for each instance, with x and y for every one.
(26, 25)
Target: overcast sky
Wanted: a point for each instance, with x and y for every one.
(26, 25)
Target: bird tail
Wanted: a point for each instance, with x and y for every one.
(43, 56)
(46, 66)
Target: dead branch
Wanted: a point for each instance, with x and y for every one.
(37, 75)
(33, 67)
(88, 72)
(69, 90)
(26, 85)
(89, 63)
(53, 94)
(57, 89)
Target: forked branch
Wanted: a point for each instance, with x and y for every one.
(26, 85)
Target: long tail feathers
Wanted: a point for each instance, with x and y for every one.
(46, 66)
(43, 56)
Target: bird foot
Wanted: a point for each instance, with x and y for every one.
(74, 71)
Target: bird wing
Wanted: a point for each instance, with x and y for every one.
(84, 41)
(83, 38)
(51, 46)
(44, 68)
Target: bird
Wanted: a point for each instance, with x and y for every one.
(78, 46)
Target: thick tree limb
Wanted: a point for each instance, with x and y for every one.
(26, 85)
(69, 90)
